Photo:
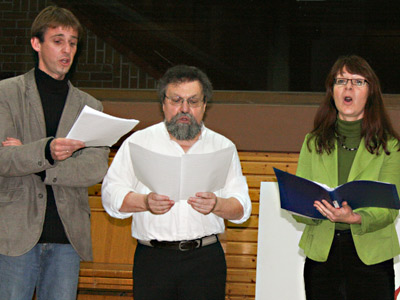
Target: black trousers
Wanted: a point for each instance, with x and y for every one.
(198, 274)
(345, 277)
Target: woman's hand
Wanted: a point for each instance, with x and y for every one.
(342, 214)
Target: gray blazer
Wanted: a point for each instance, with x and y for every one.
(22, 193)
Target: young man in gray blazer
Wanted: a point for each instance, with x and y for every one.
(44, 210)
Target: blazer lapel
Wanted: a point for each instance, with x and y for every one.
(35, 104)
(72, 108)
(330, 163)
(361, 161)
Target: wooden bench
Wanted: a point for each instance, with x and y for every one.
(109, 276)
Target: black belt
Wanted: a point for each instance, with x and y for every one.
(345, 232)
(182, 245)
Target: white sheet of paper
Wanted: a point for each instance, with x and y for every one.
(181, 177)
(96, 128)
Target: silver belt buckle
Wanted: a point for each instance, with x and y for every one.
(192, 245)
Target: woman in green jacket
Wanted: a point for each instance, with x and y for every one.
(350, 255)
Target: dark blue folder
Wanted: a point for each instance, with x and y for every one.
(298, 194)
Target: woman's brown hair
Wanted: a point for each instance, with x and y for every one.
(376, 127)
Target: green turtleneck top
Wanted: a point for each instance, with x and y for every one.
(351, 138)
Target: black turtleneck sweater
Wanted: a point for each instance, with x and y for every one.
(53, 94)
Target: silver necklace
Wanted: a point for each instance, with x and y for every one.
(348, 148)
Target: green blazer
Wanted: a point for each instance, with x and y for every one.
(375, 238)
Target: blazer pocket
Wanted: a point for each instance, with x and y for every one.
(11, 195)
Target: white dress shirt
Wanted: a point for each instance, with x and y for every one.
(182, 222)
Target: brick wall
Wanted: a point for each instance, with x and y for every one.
(99, 66)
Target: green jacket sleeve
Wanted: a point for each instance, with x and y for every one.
(304, 168)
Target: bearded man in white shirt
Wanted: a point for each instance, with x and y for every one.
(178, 255)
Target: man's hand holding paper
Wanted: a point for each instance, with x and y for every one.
(62, 148)
(158, 204)
(204, 203)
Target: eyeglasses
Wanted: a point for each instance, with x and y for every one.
(192, 102)
(356, 82)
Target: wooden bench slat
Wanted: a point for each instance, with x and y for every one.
(91, 269)
(254, 181)
(270, 156)
(262, 168)
(104, 286)
(254, 194)
(238, 288)
(92, 296)
(240, 248)
(241, 275)
(241, 261)
(239, 235)
(255, 210)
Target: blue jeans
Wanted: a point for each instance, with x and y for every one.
(52, 268)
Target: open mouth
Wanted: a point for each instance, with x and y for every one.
(65, 61)
(348, 99)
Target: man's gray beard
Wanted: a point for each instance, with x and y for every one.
(183, 131)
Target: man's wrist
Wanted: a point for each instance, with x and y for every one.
(146, 202)
(215, 204)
